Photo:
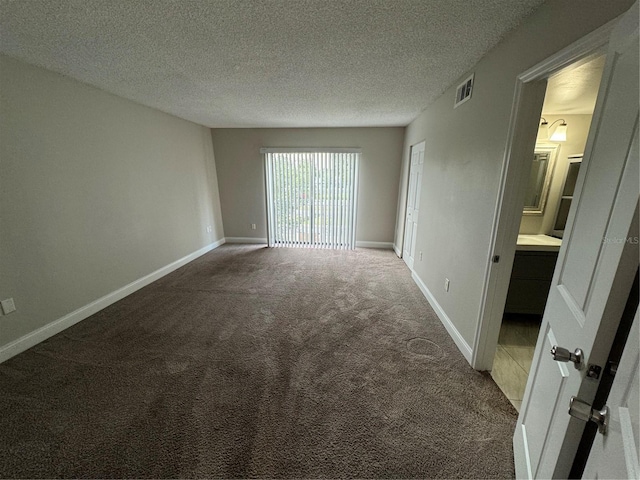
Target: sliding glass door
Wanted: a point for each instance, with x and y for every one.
(311, 197)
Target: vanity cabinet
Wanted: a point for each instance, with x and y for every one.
(530, 281)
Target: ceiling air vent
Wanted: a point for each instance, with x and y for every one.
(463, 92)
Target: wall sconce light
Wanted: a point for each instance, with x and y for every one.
(543, 130)
(560, 133)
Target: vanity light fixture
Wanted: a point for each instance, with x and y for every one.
(543, 130)
(560, 133)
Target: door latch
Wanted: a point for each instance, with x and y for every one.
(594, 371)
(583, 411)
(563, 355)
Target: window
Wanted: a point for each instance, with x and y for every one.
(311, 197)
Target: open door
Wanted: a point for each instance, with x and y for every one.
(413, 204)
(594, 273)
(614, 453)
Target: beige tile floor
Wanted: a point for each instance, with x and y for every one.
(518, 336)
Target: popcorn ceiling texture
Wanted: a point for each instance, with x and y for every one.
(253, 63)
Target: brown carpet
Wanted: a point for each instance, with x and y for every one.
(256, 362)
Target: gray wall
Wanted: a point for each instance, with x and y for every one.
(96, 192)
(241, 175)
(464, 153)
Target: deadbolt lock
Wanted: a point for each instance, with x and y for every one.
(583, 411)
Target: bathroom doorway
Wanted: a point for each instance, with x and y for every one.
(553, 167)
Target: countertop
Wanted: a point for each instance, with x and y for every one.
(539, 243)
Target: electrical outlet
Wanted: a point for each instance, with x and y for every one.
(253, 226)
(209, 229)
(420, 256)
(8, 306)
(446, 284)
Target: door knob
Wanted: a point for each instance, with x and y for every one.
(583, 411)
(563, 355)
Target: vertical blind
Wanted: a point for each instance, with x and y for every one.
(311, 197)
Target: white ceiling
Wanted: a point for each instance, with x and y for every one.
(264, 63)
(573, 91)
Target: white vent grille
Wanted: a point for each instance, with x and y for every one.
(463, 92)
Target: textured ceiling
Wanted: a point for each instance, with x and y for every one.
(574, 90)
(264, 63)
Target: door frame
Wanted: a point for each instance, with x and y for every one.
(523, 126)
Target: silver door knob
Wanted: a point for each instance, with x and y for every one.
(563, 355)
(583, 411)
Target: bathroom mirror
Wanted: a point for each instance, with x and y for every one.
(539, 179)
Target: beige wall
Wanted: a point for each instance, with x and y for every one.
(464, 153)
(577, 131)
(241, 175)
(96, 192)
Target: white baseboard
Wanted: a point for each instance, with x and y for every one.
(365, 244)
(254, 240)
(397, 250)
(462, 345)
(50, 329)
(251, 240)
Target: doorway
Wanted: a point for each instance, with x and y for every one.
(567, 111)
(598, 257)
(413, 204)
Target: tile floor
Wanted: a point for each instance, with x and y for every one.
(517, 341)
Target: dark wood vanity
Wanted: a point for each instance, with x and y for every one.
(530, 281)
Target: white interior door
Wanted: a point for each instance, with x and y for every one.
(594, 272)
(614, 454)
(413, 203)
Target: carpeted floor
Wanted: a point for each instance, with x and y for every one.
(256, 362)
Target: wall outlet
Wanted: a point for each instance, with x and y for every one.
(253, 226)
(209, 229)
(420, 256)
(446, 284)
(8, 306)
